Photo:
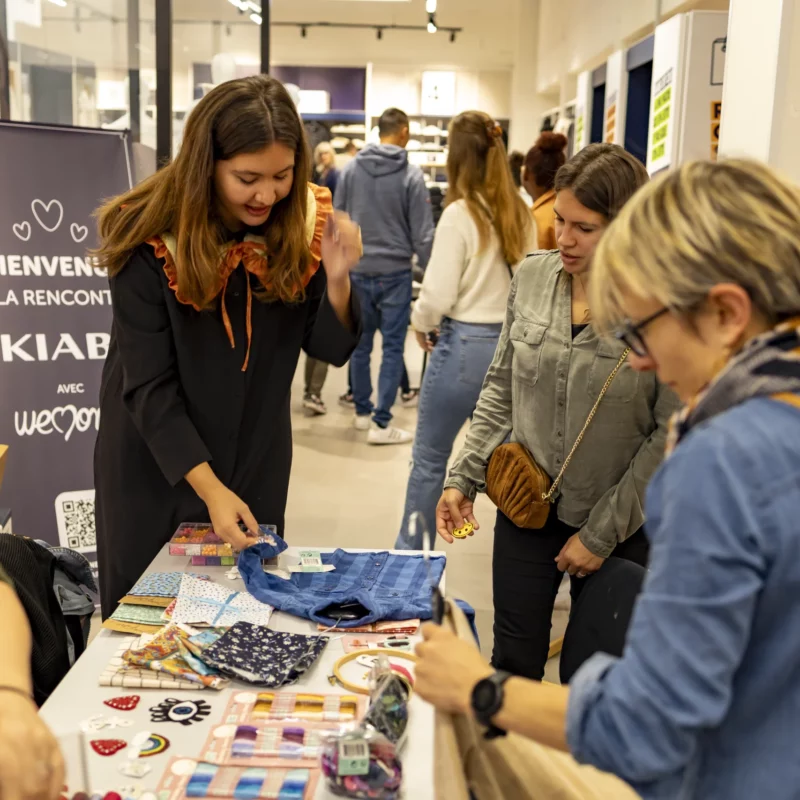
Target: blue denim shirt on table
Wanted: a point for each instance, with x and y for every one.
(705, 702)
(391, 587)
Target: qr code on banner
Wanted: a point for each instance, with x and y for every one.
(75, 516)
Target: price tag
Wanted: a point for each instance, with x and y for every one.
(311, 561)
(353, 756)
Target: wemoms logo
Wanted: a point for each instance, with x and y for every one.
(63, 420)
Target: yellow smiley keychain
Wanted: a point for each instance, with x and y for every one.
(465, 530)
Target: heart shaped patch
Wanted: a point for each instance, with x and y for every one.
(123, 703)
(107, 747)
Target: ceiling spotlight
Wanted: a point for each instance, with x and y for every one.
(256, 18)
(303, 31)
(379, 33)
(432, 24)
(430, 6)
(452, 36)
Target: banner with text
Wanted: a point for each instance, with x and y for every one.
(55, 319)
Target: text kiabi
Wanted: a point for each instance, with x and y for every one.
(44, 347)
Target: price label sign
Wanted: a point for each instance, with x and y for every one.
(353, 756)
(311, 561)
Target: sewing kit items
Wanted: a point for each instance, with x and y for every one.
(184, 712)
(204, 603)
(178, 650)
(128, 703)
(247, 708)
(129, 618)
(408, 627)
(99, 722)
(465, 530)
(198, 540)
(107, 747)
(267, 744)
(154, 745)
(197, 779)
(388, 707)
(361, 764)
(364, 688)
(120, 674)
(264, 657)
(371, 641)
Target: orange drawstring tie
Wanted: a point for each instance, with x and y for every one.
(226, 320)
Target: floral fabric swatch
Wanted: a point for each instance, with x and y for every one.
(264, 657)
(173, 651)
(161, 584)
(207, 603)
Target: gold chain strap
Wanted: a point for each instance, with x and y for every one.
(548, 497)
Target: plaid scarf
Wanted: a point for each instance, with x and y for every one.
(768, 365)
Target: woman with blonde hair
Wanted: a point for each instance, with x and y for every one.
(325, 172)
(214, 265)
(700, 277)
(549, 372)
(484, 232)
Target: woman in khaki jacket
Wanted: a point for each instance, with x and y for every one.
(548, 371)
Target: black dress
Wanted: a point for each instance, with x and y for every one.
(173, 395)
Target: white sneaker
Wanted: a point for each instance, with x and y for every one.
(362, 422)
(389, 435)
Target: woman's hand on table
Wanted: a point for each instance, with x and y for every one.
(447, 670)
(576, 559)
(453, 509)
(31, 765)
(226, 510)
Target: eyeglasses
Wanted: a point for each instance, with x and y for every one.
(631, 333)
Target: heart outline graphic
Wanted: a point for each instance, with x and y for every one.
(18, 227)
(46, 207)
(75, 230)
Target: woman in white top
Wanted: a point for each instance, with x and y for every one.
(484, 232)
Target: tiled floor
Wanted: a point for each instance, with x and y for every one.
(347, 493)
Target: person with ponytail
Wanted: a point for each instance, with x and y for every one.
(222, 266)
(484, 232)
(542, 163)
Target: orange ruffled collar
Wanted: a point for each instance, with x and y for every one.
(252, 252)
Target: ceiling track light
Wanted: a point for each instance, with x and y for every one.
(432, 23)
(452, 36)
(256, 18)
(303, 31)
(379, 33)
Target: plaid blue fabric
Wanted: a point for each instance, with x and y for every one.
(390, 587)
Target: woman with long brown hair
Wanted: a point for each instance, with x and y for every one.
(549, 372)
(214, 266)
(484, 232)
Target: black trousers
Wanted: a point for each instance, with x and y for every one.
(525, 584)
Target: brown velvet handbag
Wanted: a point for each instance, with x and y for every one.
(519, 487)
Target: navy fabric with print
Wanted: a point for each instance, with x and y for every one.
(389, 587)
(267, 658)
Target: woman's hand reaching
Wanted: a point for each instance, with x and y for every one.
(452, 510)
(226, 510)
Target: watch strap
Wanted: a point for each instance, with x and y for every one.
(484, 715)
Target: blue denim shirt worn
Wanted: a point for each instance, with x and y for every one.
(391, 587)
(705, 702)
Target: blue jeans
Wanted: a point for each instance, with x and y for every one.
(449, 394)
(385, 306)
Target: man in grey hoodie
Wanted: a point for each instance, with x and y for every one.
(388, 198)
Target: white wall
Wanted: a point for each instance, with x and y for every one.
(580, 34)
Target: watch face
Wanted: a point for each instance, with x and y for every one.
(484, 695)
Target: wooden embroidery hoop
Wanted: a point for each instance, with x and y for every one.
(360, 688)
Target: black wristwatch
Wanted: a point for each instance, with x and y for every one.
(487, 700)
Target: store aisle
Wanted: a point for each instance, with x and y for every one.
(346, 493)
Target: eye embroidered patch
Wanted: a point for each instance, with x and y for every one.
(184, 712)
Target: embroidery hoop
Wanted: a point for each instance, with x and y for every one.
(359, 688)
